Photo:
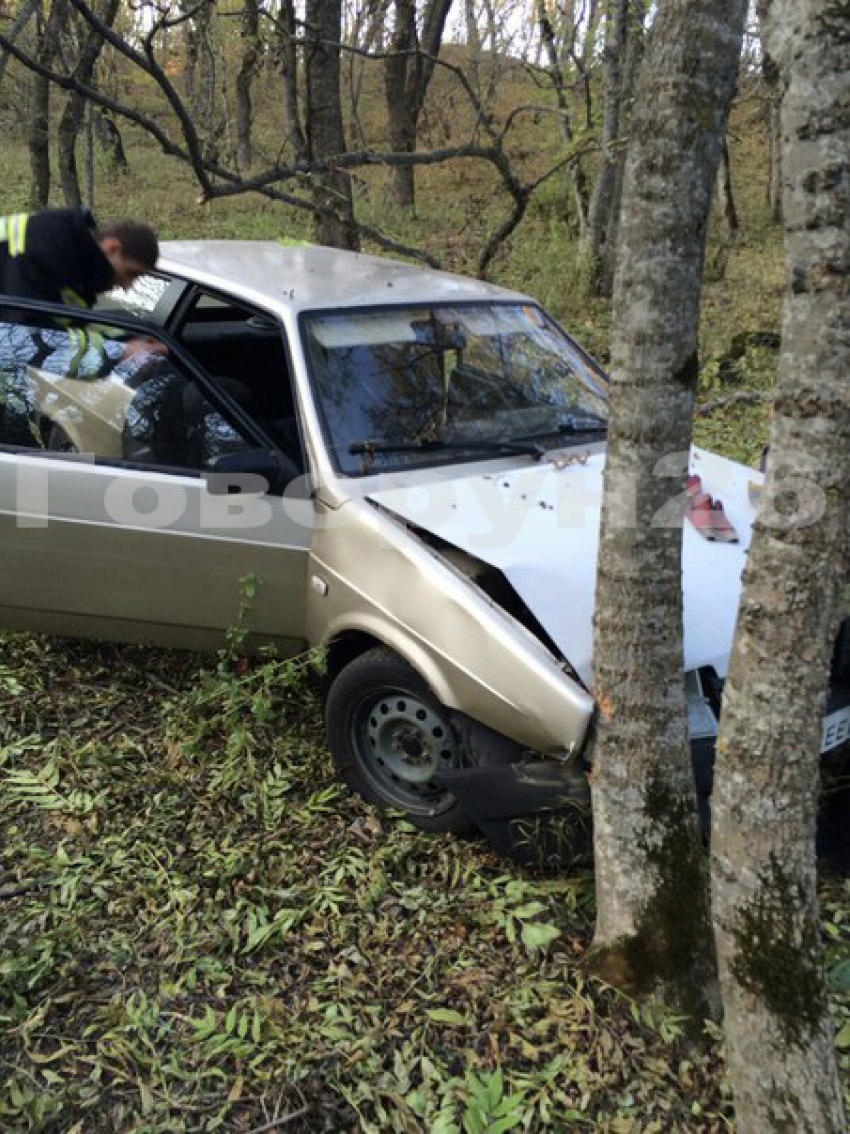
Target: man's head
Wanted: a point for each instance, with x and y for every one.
(130, 248)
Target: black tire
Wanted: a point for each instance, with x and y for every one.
(389, 735)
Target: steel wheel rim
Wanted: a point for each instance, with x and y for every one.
(403, 743)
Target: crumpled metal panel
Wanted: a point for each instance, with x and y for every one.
(539, 525)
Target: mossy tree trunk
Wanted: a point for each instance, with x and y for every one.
(778, 1032)
(652, 927)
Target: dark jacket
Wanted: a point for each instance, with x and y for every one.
(53, 256)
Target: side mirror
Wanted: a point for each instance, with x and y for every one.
(245, 471)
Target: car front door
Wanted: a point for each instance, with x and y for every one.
(108, 527)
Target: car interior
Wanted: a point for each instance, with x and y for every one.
(169, 420)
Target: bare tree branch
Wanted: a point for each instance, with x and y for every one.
(217, 181)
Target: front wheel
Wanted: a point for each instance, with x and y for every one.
(390, 738)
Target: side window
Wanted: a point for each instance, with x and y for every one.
(88, 388)
(244, 350)
(140, 298)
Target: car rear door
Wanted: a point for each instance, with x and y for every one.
(107, 524)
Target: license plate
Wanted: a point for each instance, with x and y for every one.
(836, 729)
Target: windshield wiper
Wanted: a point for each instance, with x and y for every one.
(573, 424)
(514, 445)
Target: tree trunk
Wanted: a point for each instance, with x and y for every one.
(74, 112)
(406, 79)
(334, 222)
(602, 203)
(400, 113)
(109, 138)
(634, 59)
(779, 1043)
(288, 63)
(251, 55)
(88, 157)
(48, 32)
(728, 213)
(770, 75)
(39, 143)
(652, 929)
(575, 180)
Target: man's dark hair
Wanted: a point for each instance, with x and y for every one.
(138, 242)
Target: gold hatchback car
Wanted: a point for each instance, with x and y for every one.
(409, 465)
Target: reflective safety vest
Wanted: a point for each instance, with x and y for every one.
(13, 232)
(87, 353)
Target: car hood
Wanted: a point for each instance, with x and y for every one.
(539, 526)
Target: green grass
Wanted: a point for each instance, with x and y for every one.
(201, 929)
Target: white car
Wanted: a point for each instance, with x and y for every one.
(408, 465)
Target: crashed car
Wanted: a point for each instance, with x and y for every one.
(407, 463)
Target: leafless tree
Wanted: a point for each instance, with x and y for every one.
(324, 166)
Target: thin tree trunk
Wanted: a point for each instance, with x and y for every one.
(575, 180)
(48, 31)
(39, 143)
(334, 224)
(74, 112)
(602, 204)
(88, 157)
(779, 1042)
(251, 55)
(770, 75)
(406, 79)
(774, 182)
(109, 138)
(652, 929)
(729, 215)
(473, 43)
(402, 127)
(634, 59)
(288, 62)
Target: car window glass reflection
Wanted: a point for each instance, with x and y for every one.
(140, 298)
(419, 378)
(79, 389)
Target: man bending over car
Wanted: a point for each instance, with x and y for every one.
(61, 256)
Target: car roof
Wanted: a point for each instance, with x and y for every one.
(301, 276)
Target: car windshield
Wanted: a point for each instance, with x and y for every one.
(425, 385)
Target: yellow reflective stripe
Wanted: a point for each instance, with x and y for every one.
(22, 231)
(78, 339)
(71, 299)
(16, 232)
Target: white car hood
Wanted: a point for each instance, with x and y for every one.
(539, 526)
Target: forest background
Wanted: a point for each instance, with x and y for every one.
(216, 941)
